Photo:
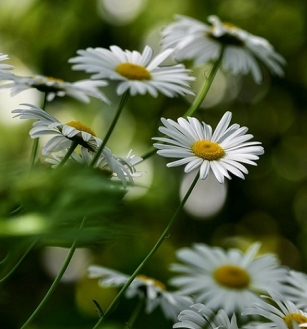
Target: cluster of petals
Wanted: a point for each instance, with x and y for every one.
(199, 266)
(280, 312)
(63, 134)
(111, 164)
(199, 316)
(232, 140)
(80, 90)
(103, 63)
(295, 288)
(5, 67)
(195, 40)
(152, 290)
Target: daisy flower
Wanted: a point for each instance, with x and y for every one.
(137, 72)
(285, 315)
(230, 280)
(295, 288)
(200, 316)
(5, 67)
(64, 134)
(109, 163)
(196, 147)
(152, 290)
(80, 90)
(202, 43)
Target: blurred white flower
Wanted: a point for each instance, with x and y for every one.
(80, 90)
(200, 316)
(194, 40)
(230, 280)
(152, 290)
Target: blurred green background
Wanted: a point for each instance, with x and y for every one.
(270, 205)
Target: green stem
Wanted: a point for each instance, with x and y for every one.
(120, 107)
(151, 151)
(71, 149)
(19, 262)
(153, 250)
(135, 313)
(206, 86)
(56, 280)
(36, 140)
(198, 99)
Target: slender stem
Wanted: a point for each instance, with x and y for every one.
(153, 250)
(56, 280)
(4, 259)
(135, 313)
(206, 86)
(120, 107)
(72, 147)
(198, 99)
(36, 140)
(151, 151)
(33, 244)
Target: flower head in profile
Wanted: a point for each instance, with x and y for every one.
(284, 315)
(230, 280)
(80, 90)
(152, 290)
(111, 164)
(202, 43)
(194, 144)
(5, 67)
(199, 316)
(139, 73)
(63, 134)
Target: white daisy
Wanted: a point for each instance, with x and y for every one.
(196, 147)
(4, 67)
(202, 43)
(109, 163)
(285, 316)
(152, 290)
(200, 316)
(64, 134)
(80, 90)
(230, 280)
(137, 72)
(295, 288)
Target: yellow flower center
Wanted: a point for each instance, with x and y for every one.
(229, 25)
(41, 84)
(298, 318)
(207, 150)
(133, 71)
(155, 282)
(52, 79)
(228, 38)
(80, 126)
(232, 276)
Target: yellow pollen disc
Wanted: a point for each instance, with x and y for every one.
(298, 318)
(133, 71)
(156, 283)
(55, 80)
(231, 276)
(229, 25)
(207, 150)
(49, 79)
(80, 126)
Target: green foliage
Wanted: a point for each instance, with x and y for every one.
(50, 204)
